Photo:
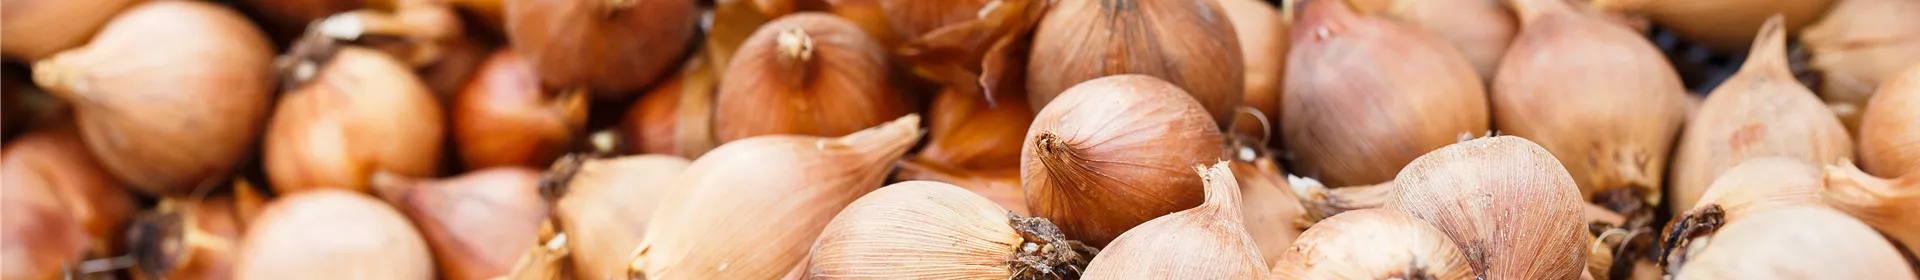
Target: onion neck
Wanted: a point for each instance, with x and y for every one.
(1769, 54)
(794, 55)
(59, 77)
(1044, 252)
(1063, 162)
(1222, 191)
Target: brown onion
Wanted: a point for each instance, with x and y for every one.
(1725, 25)
(1000, 185)
(188, 238)
(966, 131)
(1797, 242)
(1860, 45)
(1189, 43)
(477, 224)
(727, 226)
(1507, 203)
(675, 117)
(1262, 32)
(1274, 217)
(922, 230)
(1760, 111)
(359, 112)
(1599, 96)
(611, 46)
(170, 95)
(55, 159)
(1206, 242)
(1102, 158)
(1886, 204)
(315, 234)
(504, 118)
(1480, 29)
(1890, 128)
(604, 207)
(807, 74)
(949, 42)
(1379, 95)
(53, 25)
(42, 238)
(1373, 244)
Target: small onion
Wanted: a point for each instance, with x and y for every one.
(504, 118)
(1890, 128)
(477, 224)
(1206, 242)
(807, 74)
(1477, 192)
(1189, 43)
(922, 230)
(604, 207)
(1102, 158)
(361, 112)
(611, 46)
(1480, 29)
(1373, 244)
(1886, 204)
(321, 233)
(53, 25)
(1794, 243)
(170, 95)
(1860, 45)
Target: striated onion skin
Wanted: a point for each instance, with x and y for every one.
(1379, 95)
(1861, 45)
(299, 236)
(1373, 244)
(1761, 111)
(1473, 191)
(1796, 243)
(363, 112)
(504, 118)
(1890, 128)
(1100, 160)
(477, 224)
(53, 25)
(1205, 242)
(54, 159)
(1189, 43)
(1480, 29)
(613, 47)
(40, 235)
(1609, 114)
(170, 95)
(805, 74)
(1724, 25)
(924, 230)
(605, 206)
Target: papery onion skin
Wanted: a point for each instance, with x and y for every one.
(1797, 242)
(299, 236)
(1373, 244)
(503, 117)
(1274, 216)
(1885, 204)
(1860, 45)
(477, 224)
(170, 95)
(805, 74)
(1379, 95)
(40, 235)
(363, 112)
(1763, 183)
(1611, 120)
(728, 226)
(1480, 29)
(1100, 159)
(922, 229)
(1262, 33)
(611, 46)
(606, 208)
(1890, 129)
(1760, 111)
(53, 25)
(965, 131)
(1473, 191)
(1725, 25)
(56, 160)
(1205, 242)
(1189, 43)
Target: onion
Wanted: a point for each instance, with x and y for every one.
(604, 207)
(676, 117)
(504, 118)
(1890, 128)
(1373, 244)
(57, 25)
(42, 238)
(1506, 202)
(808, 74)
(1000, 185)
(611, 46)
(361, 112)
(170, 95)
(1101, 159)
(1480, 29)
(968, 132)
(478, 223)
(728, 226)
(1274, 217)
(1381, 94)
(1756, 185)
(1793, 242)
(301, 234)
(1724, 25)
(1189, 43)
(1206, 242)
(1860, 45)
(1599, 96)
(55, 159)
(921, 230)
(1885, 204)
(1264, 42)
(1763, 111)
(197, 238)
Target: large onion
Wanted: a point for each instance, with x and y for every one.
(1797, 242)
(1506, 202)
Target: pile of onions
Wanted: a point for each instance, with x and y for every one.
(1761, 111)
(614, 47)
(728, 226)
(1886, 204)
(170, 95)
(1724, 25)
(1373, 244)
(41, 235)
(1380, 95)
(1273, 215)
(197, 238)
(1103, 157)
(1890, 128)
(807, 74)
(299, 234)
(1609, 111)
(1262, 32)
(358, 112)
(504, 118)
(603, 206)
(1189, 43)
(56, 160)
(1475, 191)
(1480, 29)
(920, 230)
(1798, 241)
(1206, 242)
(478, 223)
(1859, 46)
(675, 117)
(57, 25)
(1756, 185)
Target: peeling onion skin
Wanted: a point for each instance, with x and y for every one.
(363, 112)
(1610, 115)
(806, 74)
(476, 224)
(1804, 242)
(1189, 43)
(1380, 93)
(1476, 191)
(1480, 29)
(1886, 204)
(503, 117)
(171, 95)
(614, 47)
(1101, 158)
(1206, 242)
(1373, 244)
(1890, 128)
(299, 236)
(1861, 45)
(53, 25)
(1724, 25)
(1761, 111)
(929, 230)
